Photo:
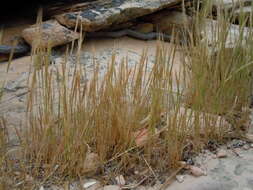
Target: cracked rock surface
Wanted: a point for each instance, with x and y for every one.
(103, 14)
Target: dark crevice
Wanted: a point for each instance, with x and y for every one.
(12, 10)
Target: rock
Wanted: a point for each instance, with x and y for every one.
(183, 163)
(18, 83)
(165, 21)
(103, 14)
(91, 162)
(144, 27)
(229, 4)
(141, 137)
(120, 180)
(91, 184)
(196, 171)
(110, 187)
(222, 154)
(210, 33)
(180, 178)
(49, 34)
(251, 145)
(246, 147)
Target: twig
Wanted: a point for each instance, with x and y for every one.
(152, 171)
(133, 186)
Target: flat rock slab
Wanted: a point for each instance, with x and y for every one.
(50, 33)
(105, 13)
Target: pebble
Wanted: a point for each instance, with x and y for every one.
(246, 147)
(91, 184)
(222, 154)
(180, 178)
(196, 171)
(120, 180)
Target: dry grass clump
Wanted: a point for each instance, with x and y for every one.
(130, 119)
(74, 119)
(220, 66)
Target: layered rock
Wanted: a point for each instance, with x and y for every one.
(104, 14)
(49, 34)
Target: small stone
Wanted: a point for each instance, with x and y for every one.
(251, 145)
(91, 184)
(141, 137)
(196, 171)
(182, 163)
(222, 154)
(110, 187)
(180, 178)
(246, 147)
(120, 180)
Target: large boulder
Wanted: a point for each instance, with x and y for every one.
(106, 13)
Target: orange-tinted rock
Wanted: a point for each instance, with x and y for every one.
(49, 34)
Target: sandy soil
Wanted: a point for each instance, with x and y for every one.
(13, 103)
